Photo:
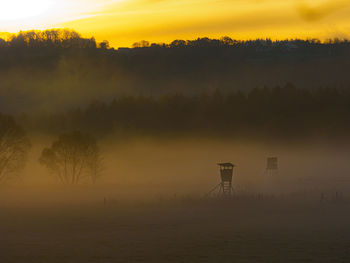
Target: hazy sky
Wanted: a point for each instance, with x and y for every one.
(124, 22)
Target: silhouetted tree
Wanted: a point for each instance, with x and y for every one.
(14, 146)
(104, 44)
(74, 157)
(142, 43)
(178, 43)
(227, 40)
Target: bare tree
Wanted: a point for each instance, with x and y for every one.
(73, 158)
(14, 146)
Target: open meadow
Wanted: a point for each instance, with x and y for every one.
(177, 229)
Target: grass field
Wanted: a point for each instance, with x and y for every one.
(177, 230)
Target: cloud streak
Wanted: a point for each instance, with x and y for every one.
(315, 13)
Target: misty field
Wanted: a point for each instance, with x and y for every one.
(194, 147)
(149, 205)
(177, 229)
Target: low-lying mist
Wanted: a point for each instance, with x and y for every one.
(149, 168)
(188, 106)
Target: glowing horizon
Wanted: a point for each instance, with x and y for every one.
(123, 22)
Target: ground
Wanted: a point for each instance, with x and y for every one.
(177, 230)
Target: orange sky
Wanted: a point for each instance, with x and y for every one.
(124, 22)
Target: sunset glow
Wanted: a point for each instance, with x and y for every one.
(20, 9)
(124, 22)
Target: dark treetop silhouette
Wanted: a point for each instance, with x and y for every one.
(36, 66)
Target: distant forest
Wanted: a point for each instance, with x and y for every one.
(285, 112)
(56, 81)
(58, 70)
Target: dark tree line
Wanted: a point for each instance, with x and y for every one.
(281, 111)
(36, 66)
(65, 39)
(54, 38)
(256, 45)
(40, 49)
(51, 44)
